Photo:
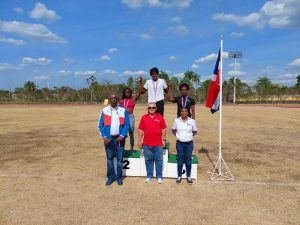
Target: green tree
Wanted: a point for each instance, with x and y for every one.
(298, 81)
(203, 89)
(263, 86)
(30, 88)
(164, 75)
(174, 82)
(192, 77)
(130, 83)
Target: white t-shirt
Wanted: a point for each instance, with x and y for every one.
(115, 122)
(184, 130)
(155, 89)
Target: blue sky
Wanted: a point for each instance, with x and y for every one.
(55, 43)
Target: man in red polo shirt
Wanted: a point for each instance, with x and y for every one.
(152, 138)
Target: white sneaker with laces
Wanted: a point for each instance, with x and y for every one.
(159, 180)
(148, 180)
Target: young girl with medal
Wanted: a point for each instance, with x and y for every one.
(128, 102)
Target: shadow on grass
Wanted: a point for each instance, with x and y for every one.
(205, 151)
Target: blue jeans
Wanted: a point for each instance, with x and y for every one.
(131, 130)
(184, 153)
(153, 154)
(114, 149)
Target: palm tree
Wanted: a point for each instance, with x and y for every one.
(30, 89)
(192, 79)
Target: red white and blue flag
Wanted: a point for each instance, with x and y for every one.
(213, 95)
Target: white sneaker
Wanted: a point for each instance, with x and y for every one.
(148, 180)
(159, 180)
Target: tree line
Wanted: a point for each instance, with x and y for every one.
(263, 91)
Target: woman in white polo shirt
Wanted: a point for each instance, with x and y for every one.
(184, 128)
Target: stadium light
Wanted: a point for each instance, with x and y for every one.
(234, 55)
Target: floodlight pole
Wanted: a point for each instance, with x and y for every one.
(234, 55)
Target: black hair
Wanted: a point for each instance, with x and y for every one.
(125, 89)
(183, 107)
(154, 69)
(184, 85)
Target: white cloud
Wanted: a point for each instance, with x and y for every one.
(238, 65)
(288, 75)
(146, 36)
(110, 72)
(237, 73)
(248, 81)
(68, 60)
(295, 63)
(253, 19)
(128, 73)
(282, 13)
(40, 11)
(268, 70)
(135, 73)
(179, 29)
(18, 10)
(34, 31)
(134, 4)
(104, 58)
(176, 19)
(276, 14)
(40, 78)
(172, 58)
(7, 67)
(85, 73)
(209, 58)
(225, 55)
(178, 75)
(237, 34)
(64, 72)
(194, 66)
(12, 41)
(42, 61)
(112, 50)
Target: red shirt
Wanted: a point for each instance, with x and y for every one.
(152, 128)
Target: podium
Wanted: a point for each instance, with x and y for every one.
(134, 164)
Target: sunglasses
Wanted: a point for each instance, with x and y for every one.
(151, 107)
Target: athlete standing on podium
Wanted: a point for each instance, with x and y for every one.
(128, 102)
(156, 88)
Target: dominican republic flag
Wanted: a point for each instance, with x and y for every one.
(213, 95)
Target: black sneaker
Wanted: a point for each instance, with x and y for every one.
(120, 182)
(178, 180)
(189, 180)
(109, 182)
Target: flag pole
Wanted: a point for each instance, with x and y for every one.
(217, 173)
(221, 103)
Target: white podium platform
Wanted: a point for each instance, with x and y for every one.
(134, 164)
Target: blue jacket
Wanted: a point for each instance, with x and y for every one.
(105, 122)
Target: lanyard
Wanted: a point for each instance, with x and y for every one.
(184, 104)
(126, 103)
(155, 84)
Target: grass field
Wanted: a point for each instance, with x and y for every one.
(53, 168)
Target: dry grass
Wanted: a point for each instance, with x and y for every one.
(52, 170)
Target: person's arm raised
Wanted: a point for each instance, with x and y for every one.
(169, 94)
(142, 90)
